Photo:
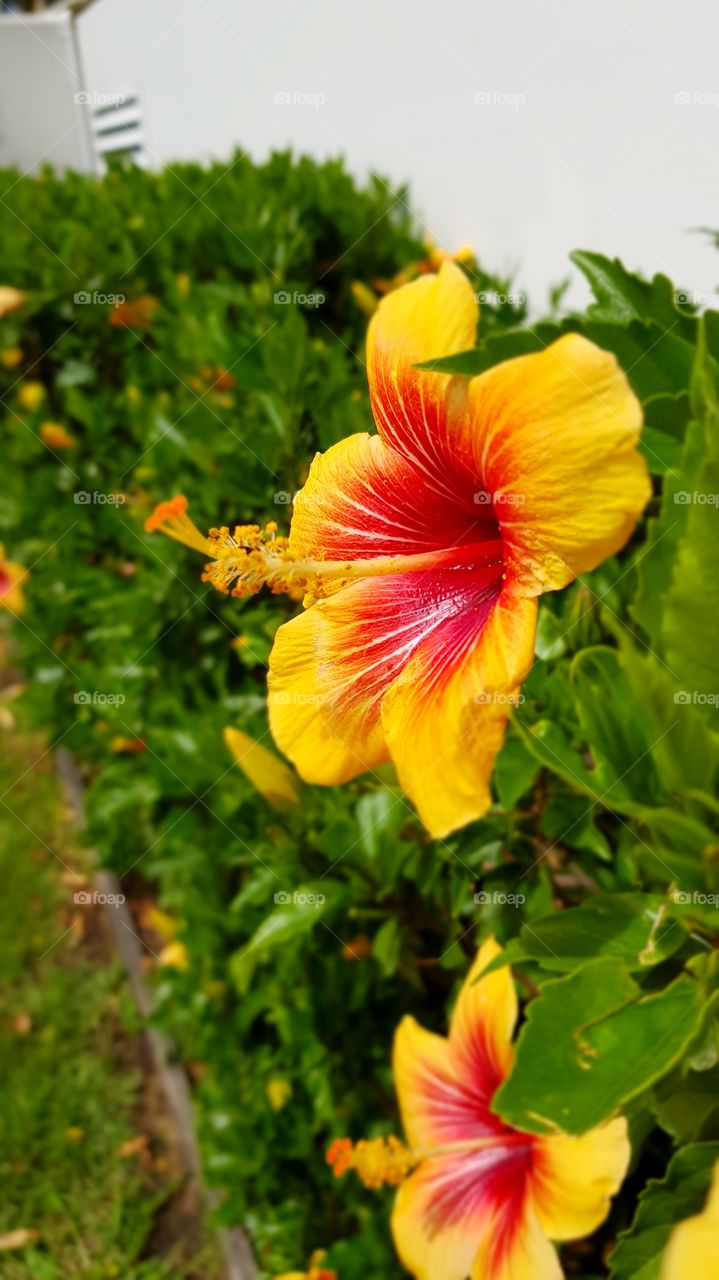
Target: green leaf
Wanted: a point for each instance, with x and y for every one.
(297, 912)
(622, 297)
(680, 1194)
(378, 816)
(616, 734)
(669, 414)
(550, 642)
(656, 359)
(661, 452)
(685, 750)
(494, 349)
(591, 1043)
(614, 737)
(514, 772)
(687, 1109)
(565, 816)
(549, 745)
(631, 927)
(386, 946)
(690, 632)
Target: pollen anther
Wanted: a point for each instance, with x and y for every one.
(246, 558)
(378, 1162)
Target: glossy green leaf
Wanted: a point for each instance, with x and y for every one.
(622, 297)
(591, 1043)
(634, 928)
(680, 1194)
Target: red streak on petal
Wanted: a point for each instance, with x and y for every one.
(393, 615)
(490, 1183)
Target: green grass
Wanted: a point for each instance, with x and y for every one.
(69, 1075)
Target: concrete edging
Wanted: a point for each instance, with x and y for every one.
(236, 1250)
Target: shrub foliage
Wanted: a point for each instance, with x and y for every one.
(597, 866)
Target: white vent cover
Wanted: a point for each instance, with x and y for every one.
(117, 126)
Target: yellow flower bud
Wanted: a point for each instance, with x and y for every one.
(31, 395)
(278, 1093)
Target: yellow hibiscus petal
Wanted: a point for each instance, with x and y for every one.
(427, 1085)
(574, 1178)
(554, 438)
(331, 668)
(362, 500)
(270, 776)
(522, 1253)
(458, 1215)
(445, 1086)
(423, 415)
(484, 1018)
(693, 1249)
(441, 1215)
(445, 716)
(322, 716)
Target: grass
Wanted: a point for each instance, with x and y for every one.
(72, 1088)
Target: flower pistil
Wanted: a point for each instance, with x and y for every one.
(248, 557)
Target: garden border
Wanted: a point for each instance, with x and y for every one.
(239, 1262)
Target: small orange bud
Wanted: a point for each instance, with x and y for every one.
(136, 1146)
(136, 314)
(339, 1156)
(54, 435)
(126, 746)
(10, 299)
(357, 948)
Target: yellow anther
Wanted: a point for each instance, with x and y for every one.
(378, 1162)
(248, 558)
(243, 560)
(172, 519)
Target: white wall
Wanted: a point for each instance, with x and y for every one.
(40, 121)
(598, 154)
